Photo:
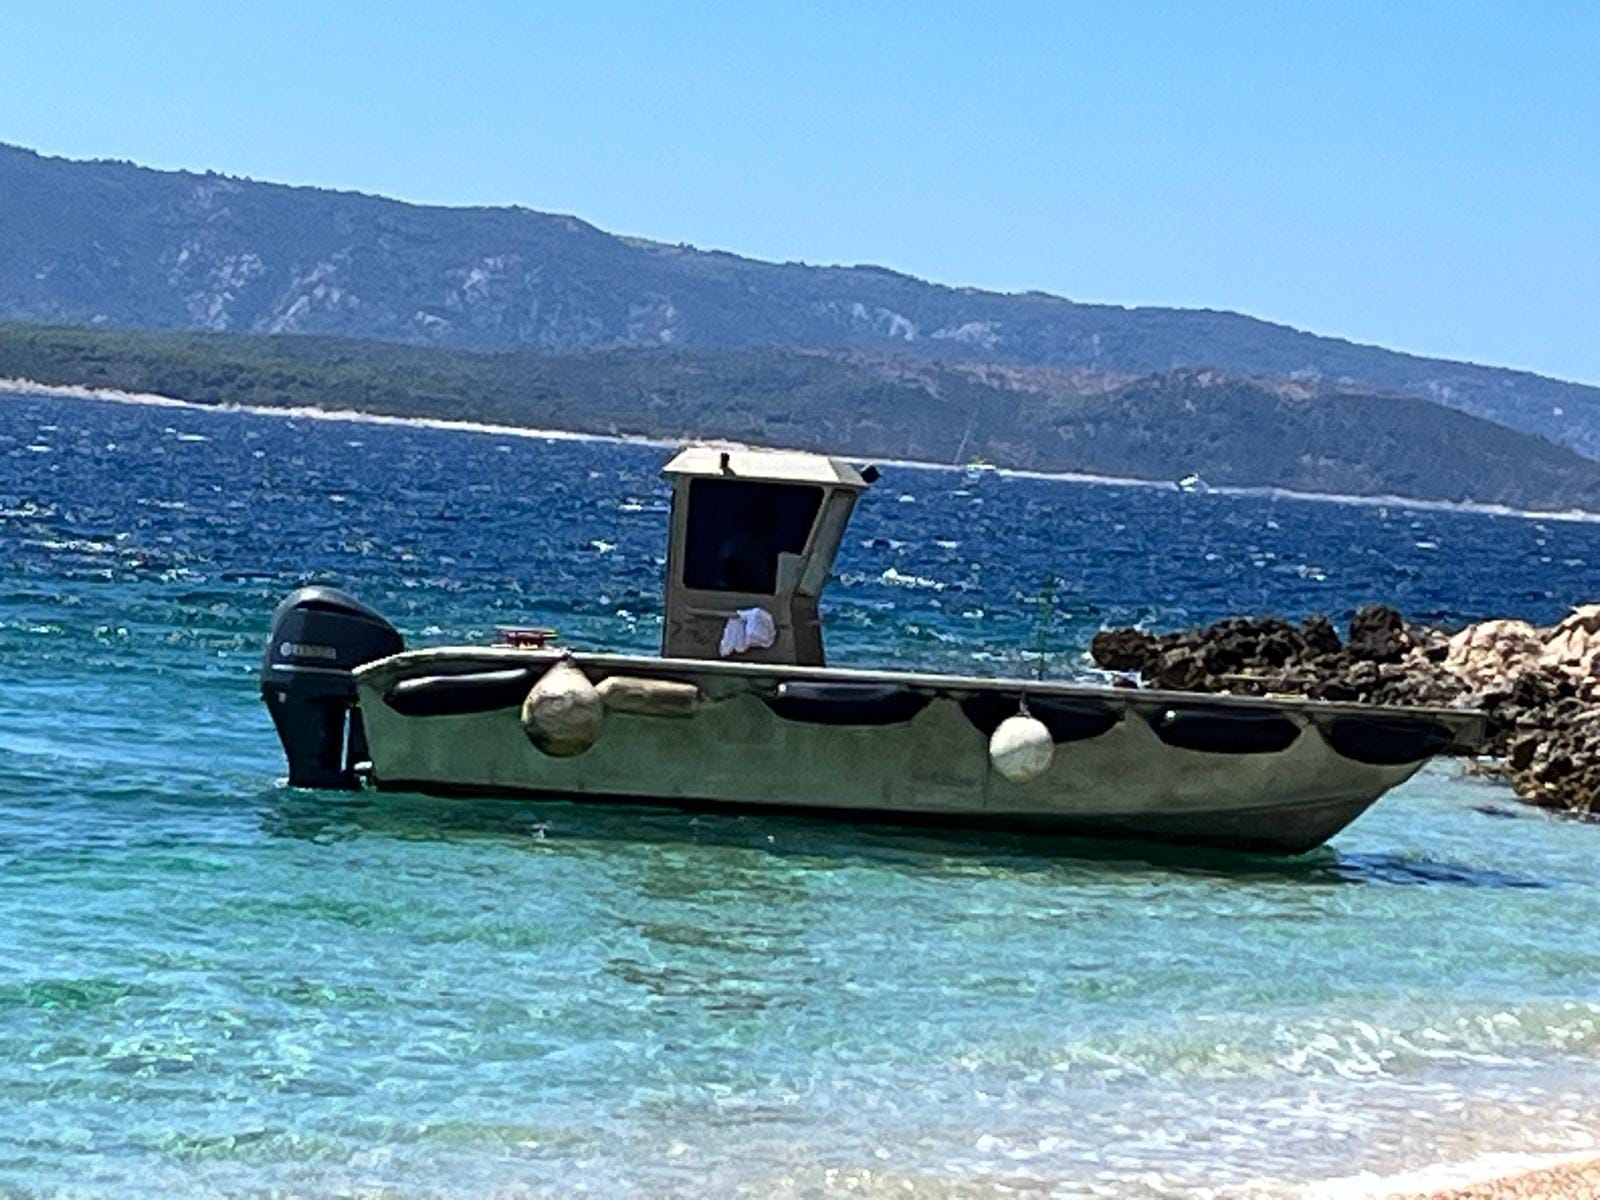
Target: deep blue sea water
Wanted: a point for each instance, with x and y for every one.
(213, 985)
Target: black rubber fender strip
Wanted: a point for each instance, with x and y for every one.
(1384, 741)
(846, 703)
(457, 695)
(1068, 719)
(1220, 730)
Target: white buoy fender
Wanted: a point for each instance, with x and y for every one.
(648, 697)
(1021, 749)
(563, 714)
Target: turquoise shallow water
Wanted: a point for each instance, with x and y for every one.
(212, 984)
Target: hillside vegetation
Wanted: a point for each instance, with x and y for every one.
(1231, 430)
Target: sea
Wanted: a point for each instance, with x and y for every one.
(212, 984)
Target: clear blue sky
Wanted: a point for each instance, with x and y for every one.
(1423, 176)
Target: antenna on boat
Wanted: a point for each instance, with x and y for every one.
(966, 437)
(1043, 621)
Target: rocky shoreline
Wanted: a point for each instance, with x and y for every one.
(1538, 687)
(1567, 1181)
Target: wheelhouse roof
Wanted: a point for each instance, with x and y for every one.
(770, 466)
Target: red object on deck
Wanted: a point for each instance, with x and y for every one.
(525, 639)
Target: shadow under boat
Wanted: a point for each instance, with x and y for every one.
(578, 826)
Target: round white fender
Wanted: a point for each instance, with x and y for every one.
(563, 713)
(1021, 749)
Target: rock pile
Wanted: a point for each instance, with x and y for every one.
(1539, 687)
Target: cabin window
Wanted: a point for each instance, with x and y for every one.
(738, 528)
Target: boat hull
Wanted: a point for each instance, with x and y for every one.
(927, 761)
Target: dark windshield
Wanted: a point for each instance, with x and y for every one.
(737, 529)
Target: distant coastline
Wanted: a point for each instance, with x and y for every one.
(28, 387)
(1231, 431)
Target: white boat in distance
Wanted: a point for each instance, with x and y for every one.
(741, 712)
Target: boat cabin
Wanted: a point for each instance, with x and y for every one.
(753, 529)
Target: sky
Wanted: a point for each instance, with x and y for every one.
(1417, 175)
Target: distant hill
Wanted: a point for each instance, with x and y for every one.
(115, 244)
(1162, 427)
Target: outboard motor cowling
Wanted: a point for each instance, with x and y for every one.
(320, 636)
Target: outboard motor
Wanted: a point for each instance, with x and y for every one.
(319, 636)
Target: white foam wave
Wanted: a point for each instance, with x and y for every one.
(27, 387)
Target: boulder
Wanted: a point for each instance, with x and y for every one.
(1585, 617)
(1123, 649)
(1378, 634)
(1319, 634)
(1573, 645)
(1560, 766)
(1493, 651)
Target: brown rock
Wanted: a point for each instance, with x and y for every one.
(1520, 755)
(1320, 636)
(1493, 650)
(1123, 649)
(1378, 634)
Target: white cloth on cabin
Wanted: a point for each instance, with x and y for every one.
(748, 629)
